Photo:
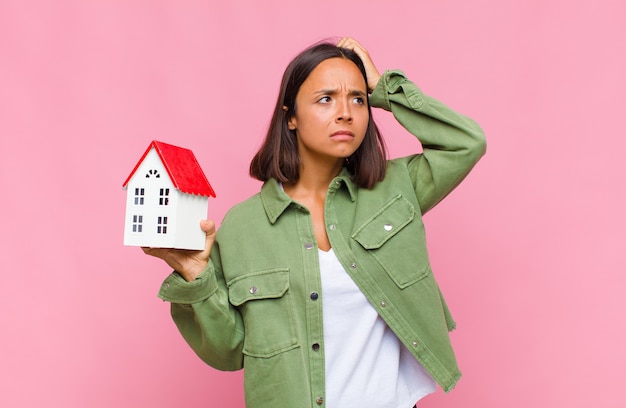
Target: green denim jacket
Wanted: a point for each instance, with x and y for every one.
(258, 304)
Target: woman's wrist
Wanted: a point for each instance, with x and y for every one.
(191, 274)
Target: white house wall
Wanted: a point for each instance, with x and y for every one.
(191, 209)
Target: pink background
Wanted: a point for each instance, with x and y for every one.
(530, 251)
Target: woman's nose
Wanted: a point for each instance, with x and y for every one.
(344, 113)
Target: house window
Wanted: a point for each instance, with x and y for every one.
(162, 225)
(137, 223)
(139, 193)
(153, 173)
(164, 196)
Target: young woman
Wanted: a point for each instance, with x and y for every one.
(320, 286)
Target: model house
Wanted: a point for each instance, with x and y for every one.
(167, 194)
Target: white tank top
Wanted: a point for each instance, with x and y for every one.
(366, 364)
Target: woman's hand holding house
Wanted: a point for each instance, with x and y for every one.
(189, 264)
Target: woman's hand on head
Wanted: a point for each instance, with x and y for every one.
(189, 264)
(370, 69)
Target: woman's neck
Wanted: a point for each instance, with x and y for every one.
(310, 191)
(314, 180)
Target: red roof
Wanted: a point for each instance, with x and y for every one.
(182, 167)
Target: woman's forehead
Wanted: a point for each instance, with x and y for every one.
(334, 72)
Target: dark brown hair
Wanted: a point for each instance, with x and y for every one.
(278, 156)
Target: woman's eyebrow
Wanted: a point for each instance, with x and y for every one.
(334, 91)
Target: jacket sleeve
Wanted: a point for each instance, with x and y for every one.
(452, 143)
(205, 318)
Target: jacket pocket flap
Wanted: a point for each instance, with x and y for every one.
(268, 284)
(385, 223)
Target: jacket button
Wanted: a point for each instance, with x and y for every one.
(316, 347)
(319, 400)
(314, 295)
(383, 303)
(388, 227)
(254, 290)
(332, 227)
(414, 344)
(352, 265)
(308, 245)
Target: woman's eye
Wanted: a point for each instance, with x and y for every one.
(324, 99)
(359, 101)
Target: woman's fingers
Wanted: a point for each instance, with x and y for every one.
(370, 69)
(188, 263)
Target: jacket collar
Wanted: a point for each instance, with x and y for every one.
(276, 201)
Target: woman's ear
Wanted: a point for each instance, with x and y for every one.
(291, 122)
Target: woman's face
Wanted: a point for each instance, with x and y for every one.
(331, 114)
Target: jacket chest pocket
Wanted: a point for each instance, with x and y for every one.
(264, 302)
(394, 236)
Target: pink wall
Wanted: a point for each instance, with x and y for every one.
(530, 250)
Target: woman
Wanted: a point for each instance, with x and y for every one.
(320, 285)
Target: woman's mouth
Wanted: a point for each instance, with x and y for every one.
(342, 135)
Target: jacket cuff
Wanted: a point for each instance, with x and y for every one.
(393, 82)
(176, 289)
